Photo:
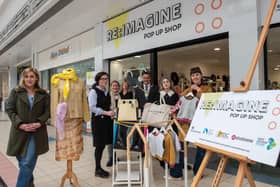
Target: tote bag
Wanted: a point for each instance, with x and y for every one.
(157, 115)
(127, 109)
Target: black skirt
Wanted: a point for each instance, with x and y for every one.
(102, 130)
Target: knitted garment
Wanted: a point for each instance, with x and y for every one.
(156, 139)
(169, 154)
(61, 110)
(187, 108)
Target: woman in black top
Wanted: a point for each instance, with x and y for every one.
(102, 124)
(125, 92)
(167, 95)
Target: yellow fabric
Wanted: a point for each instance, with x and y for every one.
(169, 154)
(185, 127)
(66, 75)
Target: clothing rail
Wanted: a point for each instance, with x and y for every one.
(137, 127)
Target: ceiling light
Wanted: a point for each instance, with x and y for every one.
(119, 60)
(217, 49)
(278, 66)
(276, 69)
(137, 56)
(269, 50)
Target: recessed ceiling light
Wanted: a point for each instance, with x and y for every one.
(276, 69)
(269, 50)
(137, 56)
(217, 49)
(119, 60)
(278, 66)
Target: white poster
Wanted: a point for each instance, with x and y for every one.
(164, 22)
(244, 123)
(90, 78)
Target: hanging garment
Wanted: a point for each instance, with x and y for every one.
(169, 154)
(156, 139)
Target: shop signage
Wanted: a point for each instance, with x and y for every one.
(244, 123)
(164, 22)
(60, 52)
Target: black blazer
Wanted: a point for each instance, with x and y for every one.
(140, 95)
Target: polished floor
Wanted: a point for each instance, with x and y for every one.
(49, 172)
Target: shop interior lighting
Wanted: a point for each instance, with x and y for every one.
(269, 50)
(137, 56)
(217, 49)
(278, 66)
(276, 69)
(119, 60)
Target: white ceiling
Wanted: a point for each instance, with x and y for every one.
(76, 17)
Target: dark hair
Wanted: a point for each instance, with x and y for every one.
(146, 73)
(195, 70)
(99, 75)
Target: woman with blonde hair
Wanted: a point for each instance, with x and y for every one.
(28, 108)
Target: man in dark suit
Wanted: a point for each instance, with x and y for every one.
(146, 92)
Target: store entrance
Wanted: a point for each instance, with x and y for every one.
(212, 57)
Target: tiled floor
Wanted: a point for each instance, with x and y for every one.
(49, 172)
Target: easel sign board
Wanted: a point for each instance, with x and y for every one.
(247, 124)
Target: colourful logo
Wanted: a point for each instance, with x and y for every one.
(205, 131)
(271, 144)
(222, 134)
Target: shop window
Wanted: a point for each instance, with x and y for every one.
(212, 57)
(273, 55)
(130, 68)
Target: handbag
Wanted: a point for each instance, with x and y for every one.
(127, 109)
(157, 115)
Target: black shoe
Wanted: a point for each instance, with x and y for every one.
(110, 162)
(101, 173)
(189, 167)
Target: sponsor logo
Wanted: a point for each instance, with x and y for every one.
(271, 144)
(261, 142)
(207, 131)
(222, 134)
(194, 130)
(234, 137)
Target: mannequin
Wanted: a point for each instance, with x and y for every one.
(69, 109)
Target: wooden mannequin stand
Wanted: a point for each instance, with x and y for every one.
(69, 175)
(244, 87)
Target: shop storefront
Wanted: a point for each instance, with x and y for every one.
(78, 52)
(169, 37)
(173, 36)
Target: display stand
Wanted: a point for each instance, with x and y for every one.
(243, 161)
(137, 127)
(70, 175)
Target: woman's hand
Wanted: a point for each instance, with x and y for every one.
(195, 87)
(27, 127)
(109, 113)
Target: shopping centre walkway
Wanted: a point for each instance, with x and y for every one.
(48, 172)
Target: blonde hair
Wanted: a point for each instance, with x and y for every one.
(161, 83)
(24, 72)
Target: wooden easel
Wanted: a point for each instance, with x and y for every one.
(69, 175)
(243, 161)
(137, 127)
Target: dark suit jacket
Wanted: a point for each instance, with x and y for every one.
(140, 95)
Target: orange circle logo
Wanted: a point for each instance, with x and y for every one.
(277, 98)
(216, 4)
(217, 23)
(272, 125)
(199, 8)
(199, 27)
(276, 111)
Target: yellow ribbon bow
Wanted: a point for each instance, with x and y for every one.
(66, 75)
